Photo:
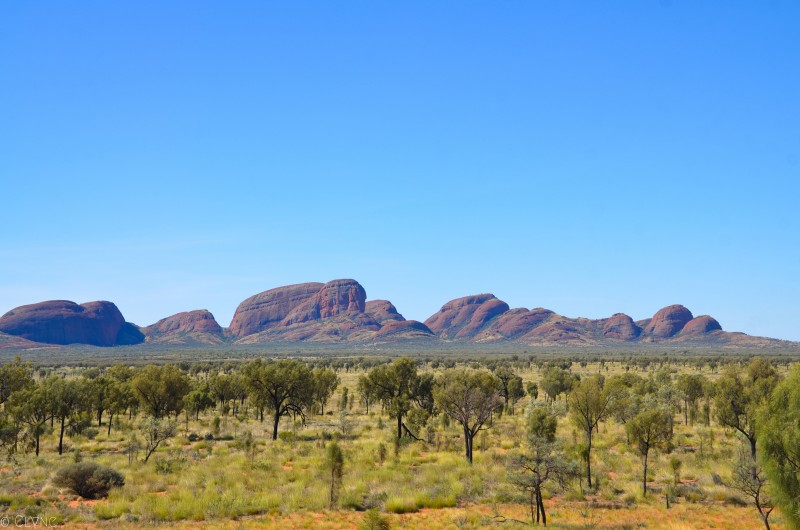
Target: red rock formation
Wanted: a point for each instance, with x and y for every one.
(408, 329)
(338, 297)
(668, 322)
(65, 322)
(198, 325)
(464, 317)
(382, 311)
(514, 323)
(268, 309)
(620, 327)
(700, 326)
(558, 329)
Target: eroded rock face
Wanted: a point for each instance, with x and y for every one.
(198, 321)
(465, 317)
(64, 322)
(515, 323)
(621, 327)
(383, 311)
(338, 297)
(407, 329)
(559, 329)
(701, 325)
(668, 322)
(266, 310)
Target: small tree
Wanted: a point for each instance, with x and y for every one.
(32, 407)
(373, 520)
(325, 383)
(285, 387)
(738, 397)
(469, 397)
(515, 392)
(160, 390)
(750, 480)
(366, 391)
(691, 387)
(68, 398)
(543, 464)
(401, 388)
(590, 403)
(156, 431)
(15, 376)
(195, 402)
(556, 381)
(648, 429)
(334, 463)
(510, 383)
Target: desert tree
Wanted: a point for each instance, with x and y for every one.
(533, 390)
(284, 387)
(400, 387)
(334, 464)
(589, 404)
(650, 428)
(160, 390)
(516, 391)
(156, 431)
(542, 465)
(510, 383)
(120, 398)
(32, 407)
(738, 397)
(365, 391)
(68, 398)
(325, 383)
(196, 401)
(222, 388)
(779, 445)
(691, 387)
(14, 376)
(556, 381)
(469, 397)
(749, 479)
(99, 391)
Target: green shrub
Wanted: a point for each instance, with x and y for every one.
(402, 505)
(89, 479)
(373, 521)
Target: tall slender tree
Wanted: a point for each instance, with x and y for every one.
(589, 404)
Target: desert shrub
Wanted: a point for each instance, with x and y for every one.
(90, 433)
(373, 521)
(405, 504)
(77, 427)
(287, 436)
(89, 479)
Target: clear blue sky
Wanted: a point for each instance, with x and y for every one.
(588, 157)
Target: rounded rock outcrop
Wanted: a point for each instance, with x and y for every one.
(668, 322)
(701, 325)
(65, 322)
(383, 311)
(463, 318)
(621, 327)
(267, 309)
